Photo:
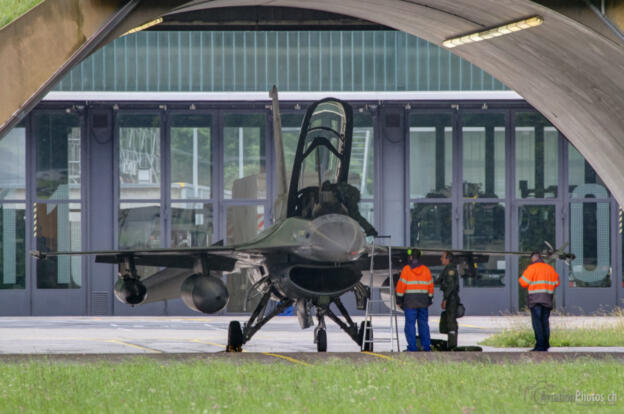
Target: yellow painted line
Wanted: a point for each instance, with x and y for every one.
(143, 348)
(378, 355)
(472, 326)
(287, 358)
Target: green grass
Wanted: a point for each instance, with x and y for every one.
(12, 9)
(523, 337)
(150, 386)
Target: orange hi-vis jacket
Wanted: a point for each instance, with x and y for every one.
(415, 287)
(541, 279)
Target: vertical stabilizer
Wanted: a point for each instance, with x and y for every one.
(279, 210)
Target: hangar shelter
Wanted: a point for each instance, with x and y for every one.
(164, 138)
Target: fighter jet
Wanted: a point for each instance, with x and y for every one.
(315, 253)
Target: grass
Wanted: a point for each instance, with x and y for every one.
(142, 385)
(12, 9)
(563, 336)
(524, 337)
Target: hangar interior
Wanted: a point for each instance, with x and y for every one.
(164, 138)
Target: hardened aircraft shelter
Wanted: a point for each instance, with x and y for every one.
(163, 138)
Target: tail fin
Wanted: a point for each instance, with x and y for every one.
(279, 209)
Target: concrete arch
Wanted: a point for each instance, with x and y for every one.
(571, 68)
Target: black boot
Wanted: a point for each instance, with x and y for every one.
(452, 340)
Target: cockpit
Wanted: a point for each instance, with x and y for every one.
(319, 183)
(324, 146)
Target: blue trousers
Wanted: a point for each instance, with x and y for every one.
(541, 327)
(411, 317)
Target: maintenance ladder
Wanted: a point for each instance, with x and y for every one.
(368, 339)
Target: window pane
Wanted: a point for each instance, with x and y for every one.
(13, 162)
(291, 127)
(243, 223)
(362, 165)
(536, 224)
(484, 229)
(590, 242)
(139, 156)
(431, 225)
(367, 210)
(431, 155)
(582, 179)
(191, 157)
(244, 162)
(139, 226)
(483, 141)
(57, 138)
(191, 225)
(12, 246)
(537, 161)
(57, 228)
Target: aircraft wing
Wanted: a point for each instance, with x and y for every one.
(220, 258)
(431, 256)
(283, 238)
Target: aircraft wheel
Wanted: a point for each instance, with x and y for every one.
(321, 340)
(368, 333)
(235, 337)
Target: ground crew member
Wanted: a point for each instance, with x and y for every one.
(449, 284)
(541, 279)
(414, 295)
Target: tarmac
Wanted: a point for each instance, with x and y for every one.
(208, 335)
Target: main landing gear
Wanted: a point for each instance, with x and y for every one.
(350, 327)
(237, 336)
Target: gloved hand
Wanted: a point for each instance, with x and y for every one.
(430, 300)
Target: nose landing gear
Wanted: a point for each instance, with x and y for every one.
(320, 332)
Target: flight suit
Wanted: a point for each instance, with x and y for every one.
(449, 284)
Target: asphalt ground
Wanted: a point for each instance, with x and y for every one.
(111, 338)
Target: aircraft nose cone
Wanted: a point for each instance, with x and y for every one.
(336, 238)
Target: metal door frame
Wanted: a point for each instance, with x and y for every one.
(62, 301)
(18, 302)
(472, 296)
(596, 297)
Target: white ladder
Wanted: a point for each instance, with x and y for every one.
(368, 339)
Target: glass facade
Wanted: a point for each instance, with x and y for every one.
(58, 228)
(536, 224)
(13, 161)
(537, 156)
(191, 178)
(192, 224)
(244, 156)
(139, 156)
(190, 153)
(256, 60)
(13, 246)
(13, 249)
(431, 134)
(483, 160)
(57, 214)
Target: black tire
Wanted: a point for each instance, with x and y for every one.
(321, 340)
(235, 337)
(368, 346)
